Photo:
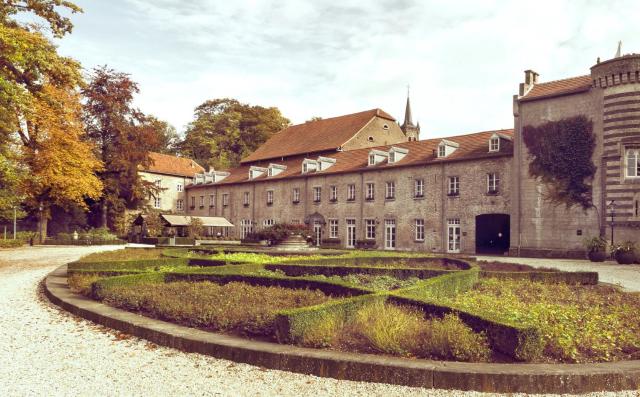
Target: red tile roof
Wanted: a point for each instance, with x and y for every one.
(315, 136)
(172, 165)
(550, 89)
(472, 146)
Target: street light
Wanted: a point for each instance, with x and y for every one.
(612, 206)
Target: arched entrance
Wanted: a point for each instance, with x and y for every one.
(492, 234)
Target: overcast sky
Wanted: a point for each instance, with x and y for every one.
(462, 59)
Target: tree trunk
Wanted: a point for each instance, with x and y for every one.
(42, 226)
(103, 222)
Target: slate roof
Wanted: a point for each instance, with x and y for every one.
(315, 136)
(555, 88)
(472, 146)
(172, 165)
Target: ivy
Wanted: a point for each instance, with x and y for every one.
(560, 154)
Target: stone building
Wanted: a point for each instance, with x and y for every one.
(610, 97)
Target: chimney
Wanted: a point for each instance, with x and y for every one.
(530, 79)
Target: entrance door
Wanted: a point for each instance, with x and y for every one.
(453, 236)
(492, 234)
(317, 232)
(389, 234)
(351, 233)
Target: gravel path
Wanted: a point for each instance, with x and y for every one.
(627, 276)
(45, 351)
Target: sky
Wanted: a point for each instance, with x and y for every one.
(463, 60)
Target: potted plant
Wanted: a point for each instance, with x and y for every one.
(625, 253)
(596, 249)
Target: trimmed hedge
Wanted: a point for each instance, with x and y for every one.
(583, 278)
(70, 241)
(292, 325)
(136, 264)
(399, 273)
(99, 287)
(384, 261)
(332, 288)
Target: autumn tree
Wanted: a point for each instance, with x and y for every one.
(46, 10)
(40, 112)
(225, 130)
(122, 142)
(167, 138)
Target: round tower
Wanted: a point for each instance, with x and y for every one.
(619, 80)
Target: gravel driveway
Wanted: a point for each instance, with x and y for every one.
(44, 351)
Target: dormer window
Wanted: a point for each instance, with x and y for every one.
(325, 162)
(309, 165)
(396, 154)
(255, 172)
(445, 148)
(494, 144)
(377, 157)
(275, 169)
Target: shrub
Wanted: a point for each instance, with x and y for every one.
(451, 339)
(596, 244)
(122, 255)
(80, 283)
(11, 243)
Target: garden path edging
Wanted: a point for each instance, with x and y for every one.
(506, 378)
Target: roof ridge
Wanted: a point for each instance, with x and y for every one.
(565, 79)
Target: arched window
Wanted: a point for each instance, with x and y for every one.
(633, 163)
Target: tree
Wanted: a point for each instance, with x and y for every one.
(225, 130)
(167, 138)
(40, 111)
(45, 9)
(122, 142)
(11, 174)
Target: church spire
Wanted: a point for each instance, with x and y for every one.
(410, 130)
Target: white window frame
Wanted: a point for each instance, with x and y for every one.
(296, 195)
(370, 229)
(333, 193)
(157, 202)
(333, 228)
(454, 186)
(179, 187)
(212, 200)
(493, 182)
(372, 159)
(418, 188)
(494, 144)
(419, 226)
(390, 190)
(225, 199)
(632, 162)
(246, 227)
(193, 201)
(179, 205)
(202, 201)
(245, 198)
(317, 194)
(370, 191)
(442, 150)
(269, 197)
(268, 223)
(351, 192)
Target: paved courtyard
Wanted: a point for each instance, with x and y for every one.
(626, 276)
(44, 351)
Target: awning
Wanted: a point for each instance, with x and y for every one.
(179, 220)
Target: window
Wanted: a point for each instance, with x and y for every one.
(493, 181)
(419, 229)
(193, 202)
(212, 200)
(372, 159)
(442, 150)
(494, 144)
(268, 223)
(370, 227)
(454, 186)
(390, 190)
(225, 199)
(246, 227)
(636, 208)
(295, 221)
(245, 199)
(418, 188)
(333, 228)
(317, 194)
(269, 197)
(351, 193)
(180, 205)
(158, 183)
(633, 163)
(157, 202)
(179, 187)
(334, 193)
(296, 195)
(201, 201)
(370, 192)
(392, 157)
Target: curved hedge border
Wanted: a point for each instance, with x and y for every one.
(502, 378)
(295, 270)
(583, 278)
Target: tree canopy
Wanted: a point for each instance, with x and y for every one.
(44, 9)
(225, 130)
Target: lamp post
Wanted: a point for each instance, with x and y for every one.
(612, 206)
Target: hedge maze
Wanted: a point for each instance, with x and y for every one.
(434, 278)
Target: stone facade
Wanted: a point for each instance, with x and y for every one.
(172, 196)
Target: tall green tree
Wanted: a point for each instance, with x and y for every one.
(225, 130)
(122, 142)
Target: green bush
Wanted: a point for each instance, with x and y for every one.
(573, 278)
(330, 270)
(11, 243)
(135, 264)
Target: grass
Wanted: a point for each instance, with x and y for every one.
(579, 323)
(389, 329)
(236, 308)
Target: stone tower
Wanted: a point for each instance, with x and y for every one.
(412, 132)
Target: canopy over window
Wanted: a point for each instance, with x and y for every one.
(180, 220)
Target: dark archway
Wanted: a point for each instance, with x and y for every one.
(492, 234)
